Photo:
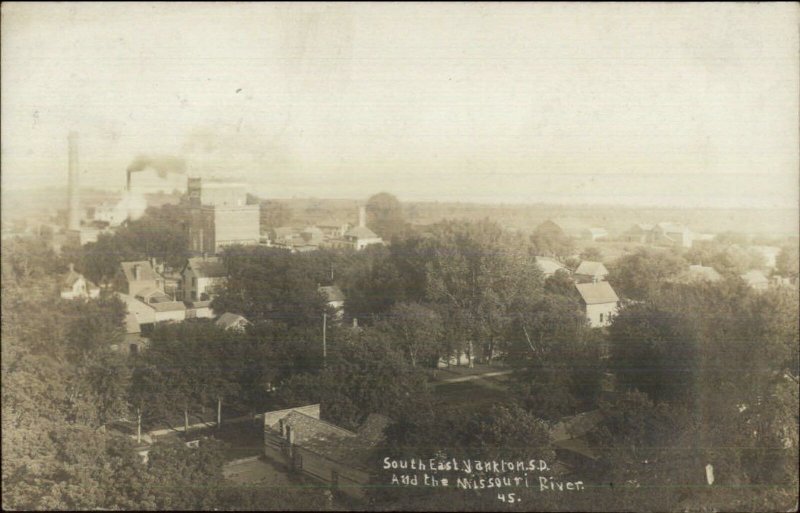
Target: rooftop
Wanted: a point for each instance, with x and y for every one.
(597, 293)
(548, 265)
(589, 268)
(228, 320)
(146, 271)
(207, 267)
(332, 293)
(361, 232)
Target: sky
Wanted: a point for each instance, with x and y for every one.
(632, 104)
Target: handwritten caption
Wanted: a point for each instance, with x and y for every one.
(469, 474)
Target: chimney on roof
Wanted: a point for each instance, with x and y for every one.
(136, 272)
(355, 322)
(362, 217)
(290, 435)
(71, 267)
(282, 424)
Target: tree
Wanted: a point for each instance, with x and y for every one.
(385, 215)
(654, 351)
(555, 355)
(364, 375)
(592, 253)
(787, 262)
(483, 272)
(639, 275)
(270, 284)
(416, 330)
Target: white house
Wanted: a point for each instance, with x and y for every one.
(590, 271)
(599, 301)
(360, 236)
(756, 279)
(74, 286)
(200, 278)
(672, 234)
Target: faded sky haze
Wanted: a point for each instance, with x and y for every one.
(659, 104)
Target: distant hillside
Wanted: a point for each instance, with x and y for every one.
(770, 222)
(305, 211)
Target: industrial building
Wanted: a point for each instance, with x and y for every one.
(220, 216)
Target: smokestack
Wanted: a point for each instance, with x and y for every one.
(73, 215)
(362, 217)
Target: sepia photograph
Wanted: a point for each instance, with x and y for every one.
(402, 256)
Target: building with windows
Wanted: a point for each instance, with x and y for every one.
(298, 439)
(219, 216)
(599, 302)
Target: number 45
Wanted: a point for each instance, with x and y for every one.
(507, 497)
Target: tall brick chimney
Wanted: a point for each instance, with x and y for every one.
(73, 212)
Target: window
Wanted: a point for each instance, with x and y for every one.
(194, 281)
(601, 317)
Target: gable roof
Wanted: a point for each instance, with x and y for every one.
(361, 232)
(208, 267)
(334, 442)
(597, 293)
(146, 271)
(641, 227)
(228, 320)
(576, 425)
(588, 268)
(548, 265)
(168, 306)
(332, 293)
(755, 277)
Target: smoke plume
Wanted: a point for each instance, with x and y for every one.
(161, 164)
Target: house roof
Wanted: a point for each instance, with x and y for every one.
(334, 442)
(228, 320)
(597, 293)
(588, 268)
(644, 227)
(597, 231)
(672, 227)
(548, 265)
(146, 271)
(68, 280)
(152, 292)
(331, 223)
(168, 306)
(332, 293)
(575, 425)
(208, 267)
(754, 277)
(704, 272)
(361, 232)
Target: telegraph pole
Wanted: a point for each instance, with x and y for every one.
(324, 343)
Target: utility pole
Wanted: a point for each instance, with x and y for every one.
(324, 342)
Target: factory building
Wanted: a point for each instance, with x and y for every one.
(220, 216)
